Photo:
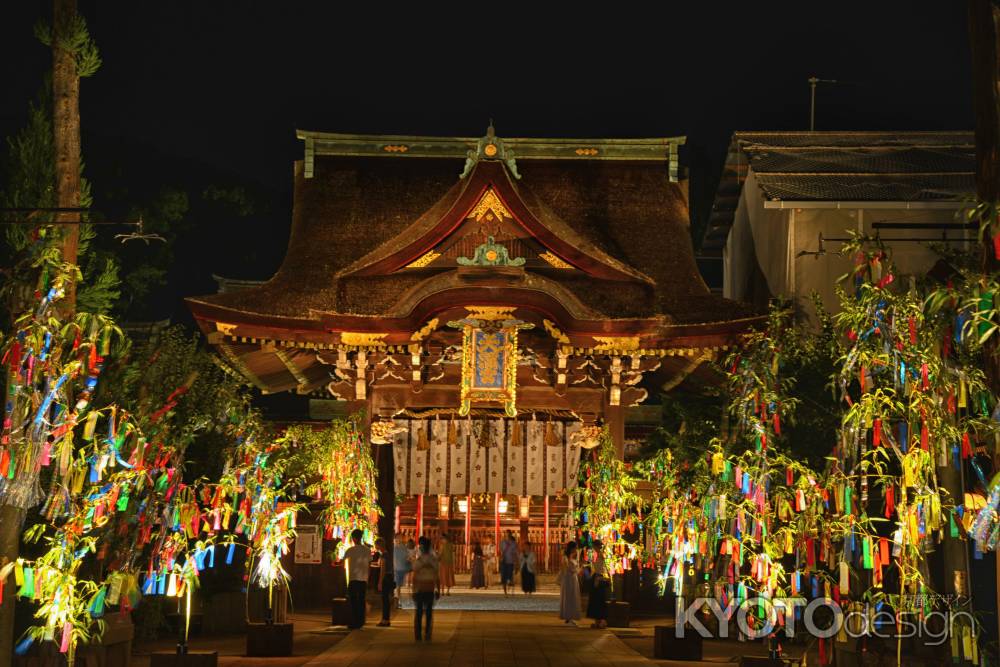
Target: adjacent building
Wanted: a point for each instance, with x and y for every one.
(787, 200)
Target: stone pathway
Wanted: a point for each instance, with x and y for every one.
(478, 601)
(482, 639)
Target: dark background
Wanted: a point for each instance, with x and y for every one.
(209, 93)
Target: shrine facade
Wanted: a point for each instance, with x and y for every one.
(490, 304)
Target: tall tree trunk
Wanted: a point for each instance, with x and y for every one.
(66, 136)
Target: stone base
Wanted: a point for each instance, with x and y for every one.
(192, 659)
(761, 662)
(668, 646)
(270, 641)
(618, 614)
(341, 612)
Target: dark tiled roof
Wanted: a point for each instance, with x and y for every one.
(356, 206)
(843, 166)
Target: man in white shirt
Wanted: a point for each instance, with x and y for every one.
(358, 559)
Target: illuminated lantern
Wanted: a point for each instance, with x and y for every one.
(503, 506)
(444, 506)
(523, 507)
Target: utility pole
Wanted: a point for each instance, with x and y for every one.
(66, 144)
(812, 99)
(984, 30)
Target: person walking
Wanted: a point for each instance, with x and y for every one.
(597, 603)
(478, 578)
(446, 557)
(358, 559)
(527, 569)
(569, 586)
(426, 588)
(401, 564)
(386, 581)
(508, 560)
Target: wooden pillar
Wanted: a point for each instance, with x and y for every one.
(614, 417)
(468, 519)
(420, 515)
(496, 519)
(386, 468)
(545, 532)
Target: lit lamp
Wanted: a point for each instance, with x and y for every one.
(523, 507)
(503, 506)
(444, 506)
(587, 437)
(463, 505)
(383, 430)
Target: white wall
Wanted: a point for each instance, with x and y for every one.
(774, 238)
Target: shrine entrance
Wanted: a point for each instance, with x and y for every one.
(492, 306)
(475, 478)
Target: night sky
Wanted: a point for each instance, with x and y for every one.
(223, 85)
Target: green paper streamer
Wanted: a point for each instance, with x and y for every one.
(868, 554)
(28, 587)
(952, 526)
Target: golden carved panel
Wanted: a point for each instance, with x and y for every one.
(423, 260)
(555, 261)
(555, 332)
(616, 343)
(362, 339)
(490, 312)
(490, 203)
(425, 330)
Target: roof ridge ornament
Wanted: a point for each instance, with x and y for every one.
(491, 253)
(490, 147)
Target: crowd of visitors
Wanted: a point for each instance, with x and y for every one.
(430, 573)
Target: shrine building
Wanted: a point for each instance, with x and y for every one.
(489, 303)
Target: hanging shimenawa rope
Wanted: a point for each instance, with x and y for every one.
(486, 413)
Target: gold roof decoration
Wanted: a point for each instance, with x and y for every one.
(616, 343)
(554, 261)
(423, 260)
(555, 332)
(489, 203)
(490, 312)
(425, 331)
(362, 339)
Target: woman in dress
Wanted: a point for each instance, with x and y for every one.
(412, 550)
(569, 586)
(446, 560)
(478, 567)
(527, 569)
(490, 560)
(597, 604)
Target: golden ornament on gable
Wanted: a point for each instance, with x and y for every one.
(489, 203)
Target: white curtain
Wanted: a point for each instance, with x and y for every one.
(532, 467)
